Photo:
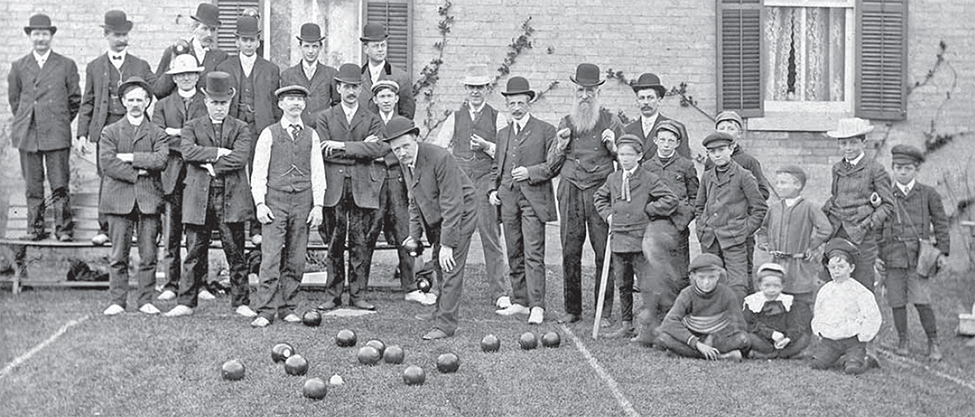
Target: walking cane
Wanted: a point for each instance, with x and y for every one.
(601, 297)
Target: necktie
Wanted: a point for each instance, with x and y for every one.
(410, 167)
(295, 130)
(517, 129)
(186, 104)
(626, 186)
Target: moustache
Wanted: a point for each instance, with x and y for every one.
(645, 107)
(122, 43)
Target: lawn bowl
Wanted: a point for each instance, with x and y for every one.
(448, 363)
(414, 375)
(490, 343)
(312, 318)
(296, 365)
(336, 380)
(315, 388)
(281, 352)
(551, 340)
(378, 345)
(232, 370)
(423, 284)
(345, 338)
(368, 355)
(394, 355)
(528, 341)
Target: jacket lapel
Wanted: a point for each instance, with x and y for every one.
(140, 132)
(356, 117)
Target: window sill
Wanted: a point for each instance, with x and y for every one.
(796, 121)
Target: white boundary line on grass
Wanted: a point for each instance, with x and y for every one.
(908, 362)
(610, 382)
(23, 358)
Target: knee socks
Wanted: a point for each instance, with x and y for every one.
(926, 314)
(900, 321)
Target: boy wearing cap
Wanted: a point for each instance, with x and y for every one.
(318, 78)
(792, 230)
(860, 196)
(649, 93)
(706, 320)
(216, 195)
(917, 211)
(375, 44)
(729, 209)
(171, 114)
(630, 200)
(776, 327)
(845, 315)
(732, 124)
(132, 155)
(288, 187)
(202, 46)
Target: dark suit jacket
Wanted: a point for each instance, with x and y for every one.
(680, 175)
(730, 209)
(357, 161)
(94, 102)
(650, 148)
(122, 186)
(48, 98)
(531, 146)
(267, 79)
(169, 112)
(751, 164)
(406, 106)
(321, 87)
(200, 145)
(441, 196)
(650, 199)
(165, 85)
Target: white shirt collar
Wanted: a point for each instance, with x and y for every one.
(386, 116)
(112, 53)
(520, 124)
(376, 70)
(350, 111)
(789, 202)
(906, 188)
(198, 49)
(632, 170)
(42, 58)
(857, 159)
(286, 124)
(475, 110)
(308, 68)
(186, 94)
(247, 62)
(135, 121)
(215, 121)
(649, 121)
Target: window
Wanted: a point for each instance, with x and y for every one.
(230, 10)
(820, 59)
(396, 15)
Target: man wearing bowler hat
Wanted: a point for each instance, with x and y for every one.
(442, 206)
(202, 46)
(470, 134)
(288, 187)
(44, 98)
(649, 93)
(318, 78)
(100, 104)
(583, 155)
(132, 154)
(216, 195)
(171, 114)
(521, 183)
(350, 145)
(375, 44)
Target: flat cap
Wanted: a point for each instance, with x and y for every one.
(728, 115)
(705, 261)
(770, 269)
(906, 154)
(632, 140)
(716, 139)
(838, 246)
(795, 171)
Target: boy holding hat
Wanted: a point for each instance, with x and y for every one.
(44, 98)
(375, 44)
(630, 200)
(202, 46)
(288, 187)
(729, 208)
(216, 195)
(776, 327)
(470, 134)
(132, 155)
(521, 184)
(649, 93)
(171, 114)
(706, 320)
(917, 211)
(442, 206)
(318, 78)
(860, 199)
(846, 315)
(100, 104)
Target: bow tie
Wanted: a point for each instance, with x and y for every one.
(116, 57)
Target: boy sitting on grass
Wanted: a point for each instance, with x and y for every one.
(775, 320)
(846, 315)
(706, 319)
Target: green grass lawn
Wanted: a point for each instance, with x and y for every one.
(136, 365)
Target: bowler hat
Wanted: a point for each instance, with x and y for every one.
(477, 74)
(518, 85)
(293, 89)
(729, 115)
(906, 154)
(349, 74)
(795, 171)
(207, 14)
(630, 139)
(381, 84)
(716, 139)
(40, 22)
(310, 32)
(399, 126)
(248, 26)
(218, 86)
(649, 80)
(705, 261)
(133, 82)
(184, 63)
(116, 21)
(587, 75)
(373, 32)
(670, 126)
(848, 128)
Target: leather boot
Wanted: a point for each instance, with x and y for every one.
(646, 333)
(934, 351)
(626, 330)
(903, 346)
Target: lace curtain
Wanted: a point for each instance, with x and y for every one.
(806, 53)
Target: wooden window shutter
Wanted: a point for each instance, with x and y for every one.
(230, 10)
(739, 41)
(881, 87)
(396, 15)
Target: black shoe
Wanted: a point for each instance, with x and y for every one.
(568, 318)
(328, 305)
(34, 236)
(363, 305)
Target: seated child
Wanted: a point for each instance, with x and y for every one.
(706, 320)
(845, 315)
(775, 320)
